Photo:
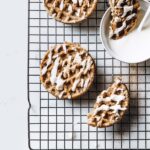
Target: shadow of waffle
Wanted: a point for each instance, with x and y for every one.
(131, 118)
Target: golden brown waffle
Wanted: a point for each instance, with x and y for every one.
(124, 15)
(67, 71)
(70, 11)
(110, 105)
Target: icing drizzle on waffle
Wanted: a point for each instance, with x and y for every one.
(68, 69)
(70, 11)
(124, 16)
(115, 108)
(109, 105)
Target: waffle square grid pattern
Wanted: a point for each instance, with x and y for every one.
(58, 124)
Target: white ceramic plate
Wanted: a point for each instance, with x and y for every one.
(133, 48)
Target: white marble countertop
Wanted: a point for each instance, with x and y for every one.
(13, 78)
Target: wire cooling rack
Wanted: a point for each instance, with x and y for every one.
(59, 124)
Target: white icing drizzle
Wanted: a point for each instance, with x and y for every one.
(117, 98)
(54, 4)
(60, 82)
(70, 8)
(51, 49)
(80, 2)
(64, 48)
(58, 47)
(119, 3)
(44, 70)
(77, 13)
(116, 108)
(126, 9)
(55, 56)
(131, 16)
(83, 64)
(53, 15)
(66, 71)
(120, 29)
(61, 5)
(113, 2)
(77, 59)
(54, 71)
(88, 4)
(117, 19)
(80, 73)
(75, 84)
(101, 99)
(82, 82)
(64, 63)
(86, 83)
(67, 68)
(74, 48)
(98, 118)
(75, 1)
(84, 13)
(49, 59)
(103, 107)
(69, 96)
(88, 65)
(68, 61)
(83, 52)
(69, 58)
(114, 97)
(61, 94)
(73, 68)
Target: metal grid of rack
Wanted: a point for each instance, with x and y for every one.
(59, 124)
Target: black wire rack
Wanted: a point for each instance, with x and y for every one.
(59, 124)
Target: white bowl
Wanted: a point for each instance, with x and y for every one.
(133, 48)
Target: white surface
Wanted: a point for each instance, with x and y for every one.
(134, 47)
(13, 78)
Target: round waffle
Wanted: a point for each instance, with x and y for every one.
(124, 17)
(110, 105)
(67, 71)
(70, 11)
